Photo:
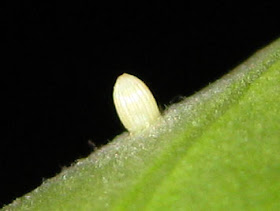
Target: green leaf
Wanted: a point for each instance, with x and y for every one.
(218, 149)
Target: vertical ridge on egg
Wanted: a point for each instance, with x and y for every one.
(134, 102)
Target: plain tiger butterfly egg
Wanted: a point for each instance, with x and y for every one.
(134, 102)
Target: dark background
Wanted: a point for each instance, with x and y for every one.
(61, 61)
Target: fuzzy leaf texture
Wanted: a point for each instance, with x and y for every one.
(215, 150)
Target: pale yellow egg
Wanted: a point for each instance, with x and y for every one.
(134, 102)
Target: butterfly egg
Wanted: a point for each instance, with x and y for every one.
(134, 102)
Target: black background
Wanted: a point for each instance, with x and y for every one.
(61, 61)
